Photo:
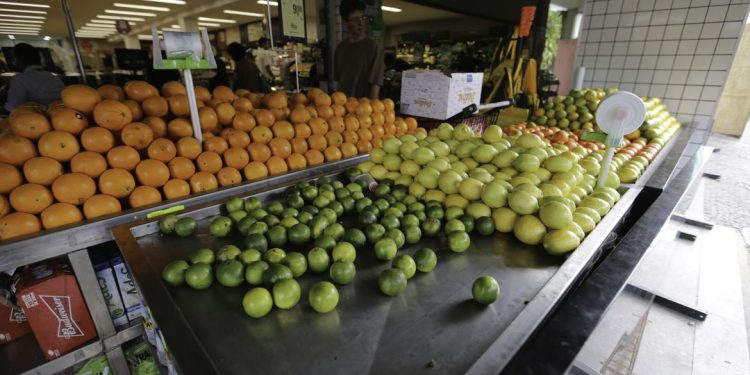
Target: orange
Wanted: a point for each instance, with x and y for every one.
(339, 98)
(338, 110)
(135, 109)
(313, 92)
(390, 117)
(281, 113)
(16, 150)
(420, 130)
(203, 181)
(236, 157)
(4, 206)
(276, 99)
(157, 125)
(100, 205)
(322, 99)
(378, 119)
(259, 152)
(89, 163)
(179, 128)
(223, 93)
(112, 114)
(280, 147)
(116, 182)
(73, 188)
(299, 145)
(276, 165)
(300, 116)
(137, 135)
(351, 122)
(377, 106)
(152, 173)
(348, 150)
(314, 157)
(208, 118)
(178, 105)
(377, 143)
(225, 113)
(389, 129)
(318, 126)
(283, 129)
(388, 104)
(317, 142)
(60, 214)
(302, 130)
(69, 120)
(255, 170)
(181, 168)
(377, 131)
(363, 109)
(228, 176)
(242, 105)
(213, 103)
(325, 112)
(332, 153)
(334, 138)
(351, 105)
(401, 127)
(364, 146)
(364, 134)
(111, 92)
(188, 147)
(124, 157)
(261, 134)
(296, 161)
(172, 88)
(411, 123)
(41, 170)
(299, 98)
(202, 93)
(58, 145)
(30, 198)
(312, 111)
(336, 123)
(209, 161)
(18, 224)
(82, 98)
(11, 177)
(264, 117)
(237, 138)
(162, 149)
(29, 124)
(365, 121)
(144, 196)
(215, 144)
(140, 90)
(155, 106)
(350, 136)
(242, 92)
(243, 121)
(176, 188)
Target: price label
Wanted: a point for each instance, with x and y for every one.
(293, 25)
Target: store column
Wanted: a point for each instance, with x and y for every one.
(189, 24)
(132, 42)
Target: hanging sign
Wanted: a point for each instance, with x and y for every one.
(527, 18)
(293, 25)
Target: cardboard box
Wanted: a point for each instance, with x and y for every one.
(108, 285)
(49, 296)
(432, 94)
(13, 324)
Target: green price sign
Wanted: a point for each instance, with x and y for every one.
(293, 24)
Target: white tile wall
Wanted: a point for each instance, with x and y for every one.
(679, 50)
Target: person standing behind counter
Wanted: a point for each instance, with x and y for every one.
(246, 73)
(33, 84)
(358, 63)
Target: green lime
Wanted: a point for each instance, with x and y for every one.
(454, 225)
(323, 296)
(271, 220)
(337, 207)
(366, 218)
(256, 241)
(318, 260)
(390, 221)
(458, 242)
(257, 227)
(174, 272)
(406, 264)
(230, 273)
(421, 216)
(373, 210)
(244, 225)
(295, 201)
(275, 207)
(220, 227)
(234, 204)
(352, 187)
(335, 230)
(199, 276)
(289, 212)
(382, 190)
(357, 195)
(318, 224)
(485, 290)
(453, 212)
(385, 249)
(274, 255)
(485, 225)
(167, 223)
(409, 219)
(416, 207)
(409, 199)
(325, 242)
(250, 255)
(355, 237)
(361, 203)
(375, 232)
(205, 255)
(392, 281)
(288, 222)
(425, 259)
(286, 293)
(431, 227)
(412, 233)
(396, 235)
(277, 236)
(468, 221)
(237, 216)
(252, 203)
(309, 193)
(305, 217)
(185, 226)
(347, 203)
(299, 234)
(381, 204)
(311, 209)
(258, 213)
(435, 212)
(257, 302)
(342, 272)
(275, 273)
(394, 211)
(344, 251)
(254, 272)
(321, 201)
(296, 262)
(228, 252)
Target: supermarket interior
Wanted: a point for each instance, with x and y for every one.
(374, 186)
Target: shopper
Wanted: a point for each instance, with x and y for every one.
(358, 64)
(33, 84)
(246, 73)
(264, 58)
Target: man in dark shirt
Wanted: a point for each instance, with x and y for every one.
(358, 64)
(33, 84)
(246, 73)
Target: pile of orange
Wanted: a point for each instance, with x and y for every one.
(99, 151)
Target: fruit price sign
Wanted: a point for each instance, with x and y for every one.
(293, 20)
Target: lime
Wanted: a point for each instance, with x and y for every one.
(257, 302)
(375, 232)
(275, 207)
(296, 262)
(254, 272)
(468, 221)
(298, 234)
(458, 242)
(288, 222)
(305, 217)
(431, 227)
(205, 255)
(409, 219)
(244, 225)
(485, 290)
(228, 252)
(366, 218)
(271, 220)
(415, 207)
(174, 272)
(252, 203)
(453, 225)
(584, 221)
(236, 216)
(385, 249)
(381, 204)
(344, 251)
(529, 230)
(286, 293)
(199, 276)
(406, 264)
(425, 259)
(421, 216)
(453, 212)
(277, 236)
(323, 296)
(257, 227)
(258, 213)
(318, 260)
(590, 212)
(275, 273)
(318, 224)
(295, 201)
(372, 209)
(342, 272)
(360, 204)
(353, 187)
(435, 212)
(310, 193)
(230, 273)
(555, 215)
(325, 242)
(335, 230)
(396, 235)
(355, 237)
(560, 241)
(167, 223)
(321, 201)
(234, 204)
(337, 207)
(250, 255)
(185, 226)
(390, 221)
(395, 211)
(274, 255)
(485, 225)
(412, 233)
(311, 209)
(256, 241)
(220, 227)
(392, 281)
(290, 212)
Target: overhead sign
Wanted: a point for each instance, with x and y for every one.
(122, 26)
(293, 25)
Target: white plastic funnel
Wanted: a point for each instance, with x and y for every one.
(618, 114)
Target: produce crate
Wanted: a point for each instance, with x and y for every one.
(477, 122)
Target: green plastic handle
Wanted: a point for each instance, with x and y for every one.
(187, 63)
(165, 211)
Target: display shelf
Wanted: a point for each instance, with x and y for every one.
(49, 244)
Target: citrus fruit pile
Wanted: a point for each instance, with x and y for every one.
(98, 152)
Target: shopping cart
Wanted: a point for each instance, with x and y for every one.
(477, 117)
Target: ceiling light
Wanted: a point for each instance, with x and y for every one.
(91, 36)
(557, 8)
(20, 21)
(47, 37)
(209, 24)
(23, 11)
(100, 25)
(175, 2)
(144, 7)
(11, 37)
(97, 28)
(216, 20)
(24, 4)
(22, 16)
(390, 9)
(127, 12)
(271, 3)
(108, 17)
(29, 26)
(249, 14)
(176, 26)
(19, 28)
(17, 33)
(144, 36)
